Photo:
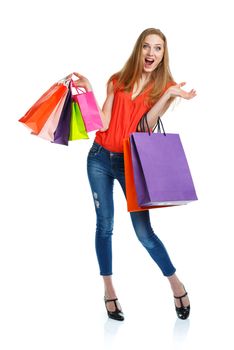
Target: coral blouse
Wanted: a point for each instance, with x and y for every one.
(125, 116)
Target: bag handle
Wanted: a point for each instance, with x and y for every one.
(78, 90)
(144, 122)
(64, 81)
(159, 125)
(68, 81)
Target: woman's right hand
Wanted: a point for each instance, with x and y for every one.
(82, 82)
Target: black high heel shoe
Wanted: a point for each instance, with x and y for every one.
(117, 314)
(182, 311)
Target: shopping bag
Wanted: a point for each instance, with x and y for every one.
(161, 171)
(131, 194)
(56, 118)
(61, 134)
(77, 127)
(37, 115)
(48, 130)
(88, 108)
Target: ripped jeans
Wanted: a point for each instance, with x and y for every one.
(103, 168)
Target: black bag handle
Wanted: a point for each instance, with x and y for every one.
(158, 126)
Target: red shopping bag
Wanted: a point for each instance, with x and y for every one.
(48, 130)
(37, 115)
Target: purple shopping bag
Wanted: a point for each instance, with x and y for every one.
(161, 172)
(88, 108)
(61, 134)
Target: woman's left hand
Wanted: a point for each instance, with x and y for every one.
(176, 91)
(82, 82)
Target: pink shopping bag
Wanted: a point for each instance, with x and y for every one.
(88, 107)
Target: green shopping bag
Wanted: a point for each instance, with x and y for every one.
(77, 127)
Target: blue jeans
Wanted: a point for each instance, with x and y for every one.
(103, 168)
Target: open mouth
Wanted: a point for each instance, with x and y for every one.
(149, 61)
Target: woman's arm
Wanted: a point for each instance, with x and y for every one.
(160, 107)
(107, 107)
(106, 110)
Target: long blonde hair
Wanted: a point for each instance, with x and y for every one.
(132, 70)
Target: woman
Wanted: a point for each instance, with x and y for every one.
(144, 85)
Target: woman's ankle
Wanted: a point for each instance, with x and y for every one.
(176, 285)
(109, 290)
(110, 293)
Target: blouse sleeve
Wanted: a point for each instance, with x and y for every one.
(169, 84)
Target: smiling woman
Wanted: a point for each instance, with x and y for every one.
(153, 51)
(143, 86)
(147, 67)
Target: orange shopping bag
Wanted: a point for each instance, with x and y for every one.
(37, 115)
(48, 129)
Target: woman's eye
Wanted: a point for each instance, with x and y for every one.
(157, 48)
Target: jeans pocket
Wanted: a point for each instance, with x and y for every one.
(94, 150)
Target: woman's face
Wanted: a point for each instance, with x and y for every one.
(152, 52)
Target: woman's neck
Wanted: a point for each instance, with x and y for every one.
(143, 81)
(145, 77)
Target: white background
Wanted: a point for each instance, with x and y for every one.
(51, 294)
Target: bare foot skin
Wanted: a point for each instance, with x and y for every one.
(178, 290)
(110, 294)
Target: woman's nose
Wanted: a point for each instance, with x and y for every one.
(150, 51)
